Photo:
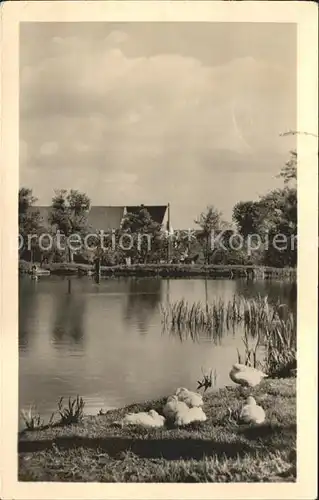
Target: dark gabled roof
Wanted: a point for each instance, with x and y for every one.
(105, 218)
(98, 217)
(157, 212)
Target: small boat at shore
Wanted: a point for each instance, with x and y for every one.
(85, 272)
(37, 271)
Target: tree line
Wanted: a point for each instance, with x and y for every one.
(273, 214)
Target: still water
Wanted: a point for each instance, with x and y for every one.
(105, 341)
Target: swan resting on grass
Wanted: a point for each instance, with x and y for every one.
(190, 415)
(174, 406)
(144, 419)
(251, 413)
(180, 413)
(246, 376)
(192, 399)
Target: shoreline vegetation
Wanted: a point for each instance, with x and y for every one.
(260, 238)
(167, 270)
(97, 448)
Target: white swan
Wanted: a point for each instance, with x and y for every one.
(246, 376)
(180, 413)
(173, 406)
(190, 415)
(150, 419)
(251, 413)
(192, 399)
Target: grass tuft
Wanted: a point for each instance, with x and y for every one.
(32, 419)
(73, 412)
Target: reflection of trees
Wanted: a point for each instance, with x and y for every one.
(27, 308)
(277, 291)
(68, 318)
(142, 300)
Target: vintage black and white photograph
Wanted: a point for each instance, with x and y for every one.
(157, 212)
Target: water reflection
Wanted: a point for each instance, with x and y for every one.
(28, 309)
(143, 299)
(77, 336)
(69, 313)
(276, 291)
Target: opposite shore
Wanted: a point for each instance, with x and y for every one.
(167, 270)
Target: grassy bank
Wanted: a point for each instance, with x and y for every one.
(218, 450)
(171, 271)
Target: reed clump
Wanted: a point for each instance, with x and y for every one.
(257, 315)
(196, 316)
(73, 412)
(281, 348)
(267, 328)
(32, 419)
(218, 315)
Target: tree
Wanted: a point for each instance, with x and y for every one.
(274, 219)
(289, 171)
(29, 219)
(281, 221)
(26, 200)
(146, 234)
(280, 205)
(186, 246)
(247, 215)
(69, 213)
(209, 222)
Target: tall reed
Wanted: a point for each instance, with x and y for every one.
(267, 328)
(281, 347)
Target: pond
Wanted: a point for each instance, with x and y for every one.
(106, 341)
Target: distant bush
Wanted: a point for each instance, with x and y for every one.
(24, 266)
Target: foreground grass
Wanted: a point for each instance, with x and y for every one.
(218, 450)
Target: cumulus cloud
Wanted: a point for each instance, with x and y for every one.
(163, 123)
(116, 37)
(48, 149)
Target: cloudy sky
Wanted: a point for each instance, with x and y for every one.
(131, 113)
